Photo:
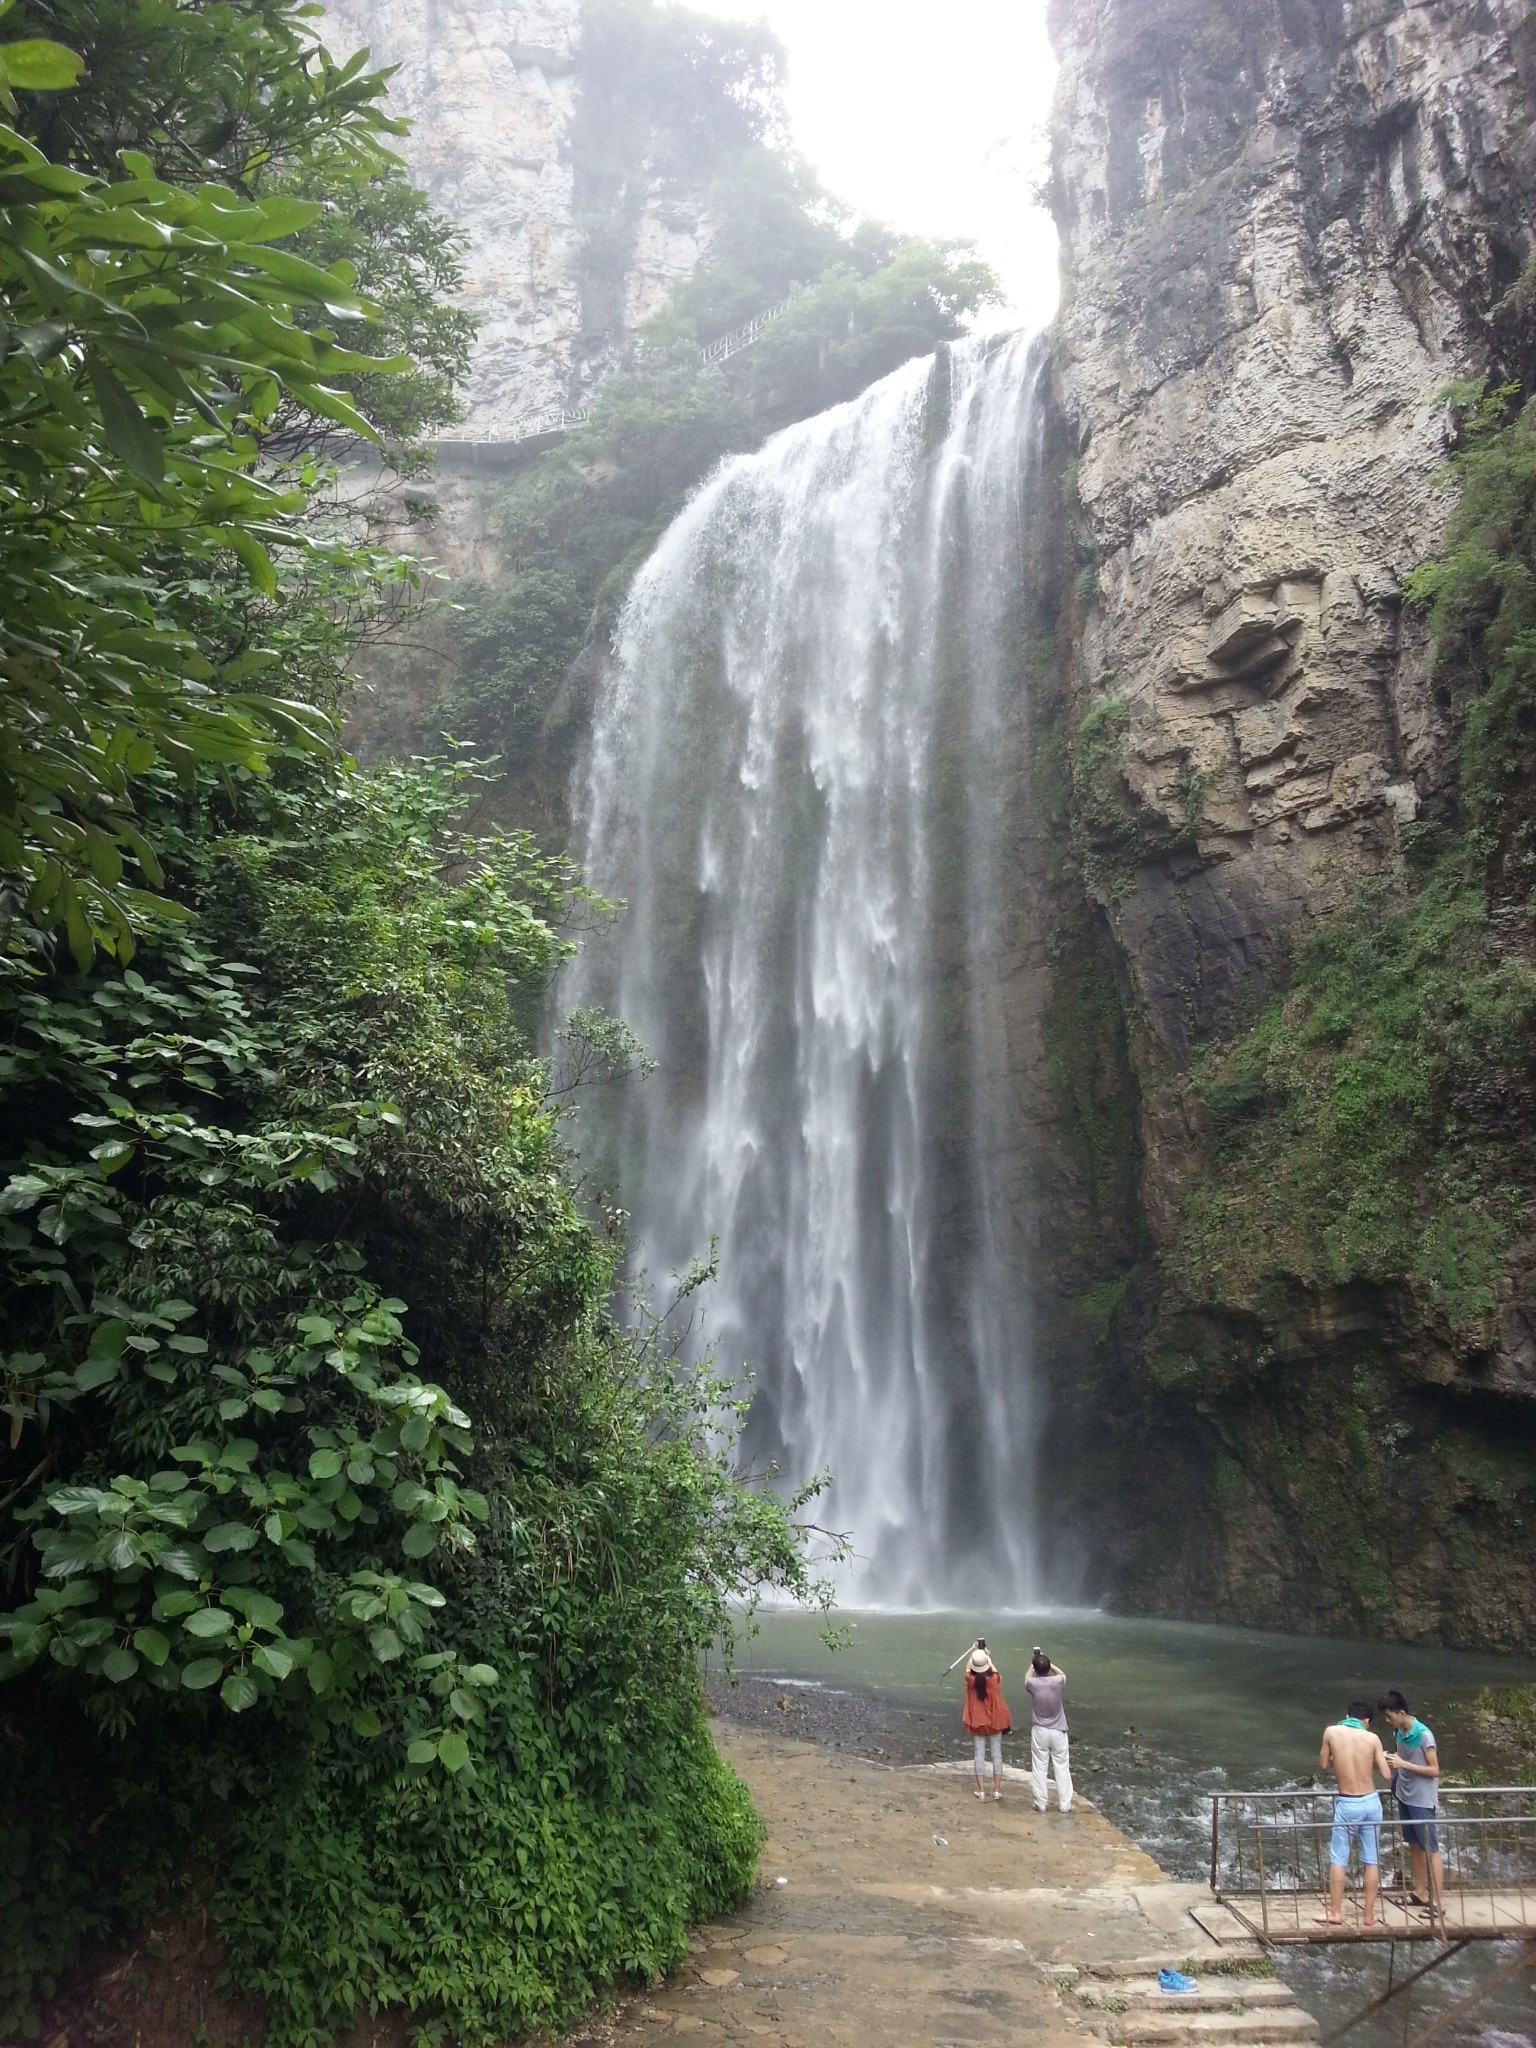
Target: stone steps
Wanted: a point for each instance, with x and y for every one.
(1148, 1966)
(1123, 2002)
(1281, 2023)
(1215, 1994)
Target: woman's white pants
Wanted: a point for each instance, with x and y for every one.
(996, 1742)
(1048, 1751)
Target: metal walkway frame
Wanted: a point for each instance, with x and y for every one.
(1269, 1869)
(1269, 1866)
(559, 420)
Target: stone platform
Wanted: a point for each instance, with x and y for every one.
(893, 1909)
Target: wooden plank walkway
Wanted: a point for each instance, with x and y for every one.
(1296, 1916)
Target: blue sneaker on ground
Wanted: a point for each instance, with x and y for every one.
(1175, 1980)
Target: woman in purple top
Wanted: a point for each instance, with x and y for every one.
(1049, 1750)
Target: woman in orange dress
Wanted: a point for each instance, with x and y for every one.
(986, 1715)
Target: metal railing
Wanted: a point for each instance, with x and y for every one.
(559, 420)
(732, 344)
(1269, 1855)
(563, 419)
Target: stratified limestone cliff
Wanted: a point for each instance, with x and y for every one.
(1287, 229)
(1288, 226)
(492, 90)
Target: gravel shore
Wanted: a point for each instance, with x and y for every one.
(859, 1723)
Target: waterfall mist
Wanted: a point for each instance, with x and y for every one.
(802, 784)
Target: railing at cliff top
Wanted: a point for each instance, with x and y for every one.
(565, 419)
(729, 345)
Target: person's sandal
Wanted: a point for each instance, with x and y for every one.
(980, 1794)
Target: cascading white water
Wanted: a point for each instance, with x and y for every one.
(801, 784)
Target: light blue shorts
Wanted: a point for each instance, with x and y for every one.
(1355, 1820)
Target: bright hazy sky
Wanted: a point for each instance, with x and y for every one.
(931, 117)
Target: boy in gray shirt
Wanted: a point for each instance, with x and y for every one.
(1416, 1784)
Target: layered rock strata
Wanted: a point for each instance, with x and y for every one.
(1288, 227)
(491, 91)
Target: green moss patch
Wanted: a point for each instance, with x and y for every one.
(1366, 1126)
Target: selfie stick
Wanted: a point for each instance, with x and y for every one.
(959, 1660)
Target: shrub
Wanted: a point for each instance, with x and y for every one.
(1361, 1125)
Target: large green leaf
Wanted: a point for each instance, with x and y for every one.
(453, 1750)
(209, 1622)
(38, 66)
(239, 1691)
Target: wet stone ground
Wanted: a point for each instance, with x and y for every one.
(892, 1910)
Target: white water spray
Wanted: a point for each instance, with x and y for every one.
(802, 784)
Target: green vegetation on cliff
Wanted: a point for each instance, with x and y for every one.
(1357, 1166)
(1367, 1127)
(354, 1559)
(1114, 834)
(1372, 1124)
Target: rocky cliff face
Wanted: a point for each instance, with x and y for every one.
(1287, 229)
(1288, 226)
(492, 88)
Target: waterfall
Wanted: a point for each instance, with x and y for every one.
(802, 783)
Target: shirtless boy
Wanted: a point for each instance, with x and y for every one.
(1354, 1755)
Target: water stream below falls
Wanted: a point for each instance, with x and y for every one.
(799, 786)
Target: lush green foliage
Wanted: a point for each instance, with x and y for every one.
(1362, 1126)
(155, 334)
(408, 263)
(148, 329)
(244, 94)
(144, 1181)
(348, 1543)
(236, 1487)
(124, 417)
(225, 93)
(778, 232)
(498, 1904)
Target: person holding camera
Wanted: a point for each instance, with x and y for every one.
(986, 1715)
(1049, 1745)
